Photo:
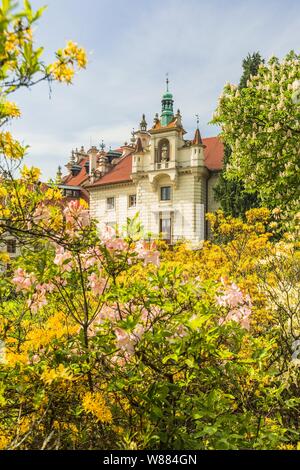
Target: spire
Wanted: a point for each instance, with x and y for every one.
(143, 124)
(167, 106)
(197, 138)
(102, 146)
(58, 175)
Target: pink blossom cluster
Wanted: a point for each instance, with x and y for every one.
(107, 233)
(23, 280)
(148, 253)
(117, 244)
(126, 342)
(92, 257)
(109, 238)
(144, 251)
(41, 213)
(63, 259)
(239, 305)
(76, 213)
(38, 299)
(97, 283)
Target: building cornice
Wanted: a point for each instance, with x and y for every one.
(111, 185)
(163, 130)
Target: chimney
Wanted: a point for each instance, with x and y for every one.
(93, 154)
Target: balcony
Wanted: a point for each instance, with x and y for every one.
(164, 165)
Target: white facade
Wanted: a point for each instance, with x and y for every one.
(171, 187)
(161, 176)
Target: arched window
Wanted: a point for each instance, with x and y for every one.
(163, 151)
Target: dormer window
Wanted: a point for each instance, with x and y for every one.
(164, 151)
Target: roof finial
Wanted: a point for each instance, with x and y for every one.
(72, 157)
(143, 124)
(58, 175)
(197, 138)
(167, 80)
(102, 146)
(133, 139)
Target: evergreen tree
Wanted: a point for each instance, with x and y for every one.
(231, 194)
(250, 67)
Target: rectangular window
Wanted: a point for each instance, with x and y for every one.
(165, 193)
(132, 200)
(165, 228)
(110, 203)
(11, 246)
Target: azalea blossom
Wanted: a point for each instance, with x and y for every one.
(149, 255)
(127, 341)
(37, 301)
(61, 257)
(117, 244)
(107, 233)
(96, 283)
(124, 340)
(232, 297)
(23, 280)
(239, 305)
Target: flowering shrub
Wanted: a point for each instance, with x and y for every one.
(114, 342)
(108, 352)
(261, 125)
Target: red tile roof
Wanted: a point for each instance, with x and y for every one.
(80, 178)
(213, 153)
(120, 173)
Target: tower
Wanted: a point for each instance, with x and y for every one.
(167, 114)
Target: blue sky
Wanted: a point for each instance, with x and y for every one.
(131, 45)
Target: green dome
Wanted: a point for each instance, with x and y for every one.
(167, 96)
(166, 107)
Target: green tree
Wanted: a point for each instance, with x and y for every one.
(261, 125)
(250, 68)
(234, 199)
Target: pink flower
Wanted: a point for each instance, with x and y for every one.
(181, 331)
(149, 255)
(232, 297)
(44, 288)
(96, 283)
(41, 213)
(37, 301)
(73, 210)
(61, 257)
(239, 306)
(76, 214)
(107, 233)
(117, 244)
(23, 280)
(124, 340)
(138, 332)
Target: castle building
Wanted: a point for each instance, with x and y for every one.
(164, 177)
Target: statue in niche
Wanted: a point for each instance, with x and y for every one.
(164, 153)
